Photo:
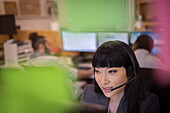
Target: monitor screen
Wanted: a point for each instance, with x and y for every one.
(104, 37)
(155, 36)
(7, 24)
(157, 50)
(80, 42)
(158, 41)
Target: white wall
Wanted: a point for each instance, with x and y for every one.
(35, 23)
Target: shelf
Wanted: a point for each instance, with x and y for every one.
(146, 9)
(150, 23)
(146, 1)
(148, 26)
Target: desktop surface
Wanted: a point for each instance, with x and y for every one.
(85, 66)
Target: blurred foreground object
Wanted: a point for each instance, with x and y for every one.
(162, 9)
(34, 90)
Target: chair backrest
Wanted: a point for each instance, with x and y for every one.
(153, 81)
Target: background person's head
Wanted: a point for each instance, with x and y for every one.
(39, 43)
(34, 37)
(143, 42)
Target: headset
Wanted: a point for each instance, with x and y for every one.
(133, 66)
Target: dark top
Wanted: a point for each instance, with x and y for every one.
(149, 105)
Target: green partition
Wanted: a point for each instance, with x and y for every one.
(95, 15)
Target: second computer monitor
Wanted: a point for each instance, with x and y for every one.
(104, 37)
(154, 35)
(158, 41)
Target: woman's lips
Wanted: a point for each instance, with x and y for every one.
(106, 89)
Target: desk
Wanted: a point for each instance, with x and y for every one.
(84, 65)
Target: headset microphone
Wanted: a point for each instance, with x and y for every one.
(123, 84)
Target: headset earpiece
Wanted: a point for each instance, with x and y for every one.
(130, 72)
(131, 58)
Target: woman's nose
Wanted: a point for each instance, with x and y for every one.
(104, 79)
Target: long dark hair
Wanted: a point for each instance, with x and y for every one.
(118, 54)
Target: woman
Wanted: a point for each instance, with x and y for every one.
(117, 83)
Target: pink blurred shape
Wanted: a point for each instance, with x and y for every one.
(162, 8)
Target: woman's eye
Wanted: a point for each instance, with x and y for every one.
(112, 71)
(96, 71)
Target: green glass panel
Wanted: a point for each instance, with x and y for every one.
(35, 90)
(94, 15)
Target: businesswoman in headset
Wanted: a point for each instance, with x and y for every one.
(117, 83)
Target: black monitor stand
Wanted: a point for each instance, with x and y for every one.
(81, 54)
(10, 36)
(83, 58)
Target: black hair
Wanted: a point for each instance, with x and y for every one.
(118, 54)
(33, 35)
(144, 42)
(36, 39)
(40, 40)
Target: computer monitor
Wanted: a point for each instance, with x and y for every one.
(104, 37)
(7, 25)
(79, 42)
(158, 41)
(155, 36)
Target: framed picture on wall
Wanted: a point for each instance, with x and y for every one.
(30, 7)
(10, 7)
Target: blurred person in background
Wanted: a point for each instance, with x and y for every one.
(42, 57)
(142, 49)
(40, 45)
(42, 54)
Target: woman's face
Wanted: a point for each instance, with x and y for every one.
(109, 78)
